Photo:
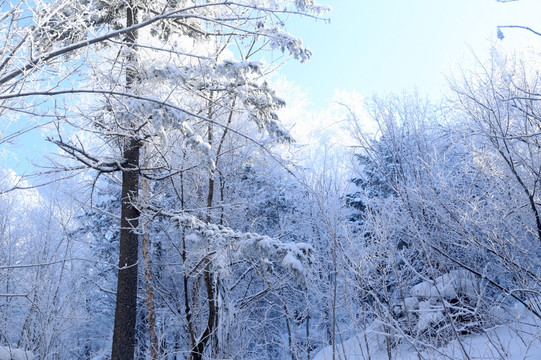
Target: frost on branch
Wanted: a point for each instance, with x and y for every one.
(304, 6)
(161, 72)
(196, 142)
(60, 23)
(138, 114)
(283, 41)
(228, 245)
(262, 103)
(239, 71)
(240, 80)
(310, 6)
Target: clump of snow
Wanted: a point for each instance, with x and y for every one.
(449, 285)
(291, 262)
(284, 41)
(454, 296)
(196, 142)
(412, 303)
(429, 315)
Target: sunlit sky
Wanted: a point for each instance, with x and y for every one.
(382, 46)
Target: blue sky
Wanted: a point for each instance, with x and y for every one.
(382, 46)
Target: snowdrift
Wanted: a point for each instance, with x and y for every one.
(9, 353)
(518, 339)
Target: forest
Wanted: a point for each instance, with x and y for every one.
(176, 216)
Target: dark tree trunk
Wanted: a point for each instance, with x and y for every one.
(126, 295)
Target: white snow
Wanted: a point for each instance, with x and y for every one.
(447, 286)
(429, 315)
(9, 353)
(291, 262)
(519, 339)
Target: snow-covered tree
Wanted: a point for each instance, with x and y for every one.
(160, 76)
(500, 105)
(414, 185)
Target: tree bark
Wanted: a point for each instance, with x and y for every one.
(126, 295)
(197, 352)
(151, 317)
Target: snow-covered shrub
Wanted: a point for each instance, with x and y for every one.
(450, 304)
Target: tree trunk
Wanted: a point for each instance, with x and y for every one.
(126, 295)
(197, 351)
(151, 317)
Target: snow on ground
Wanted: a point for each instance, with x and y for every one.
(7, 353)
(519, 339)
